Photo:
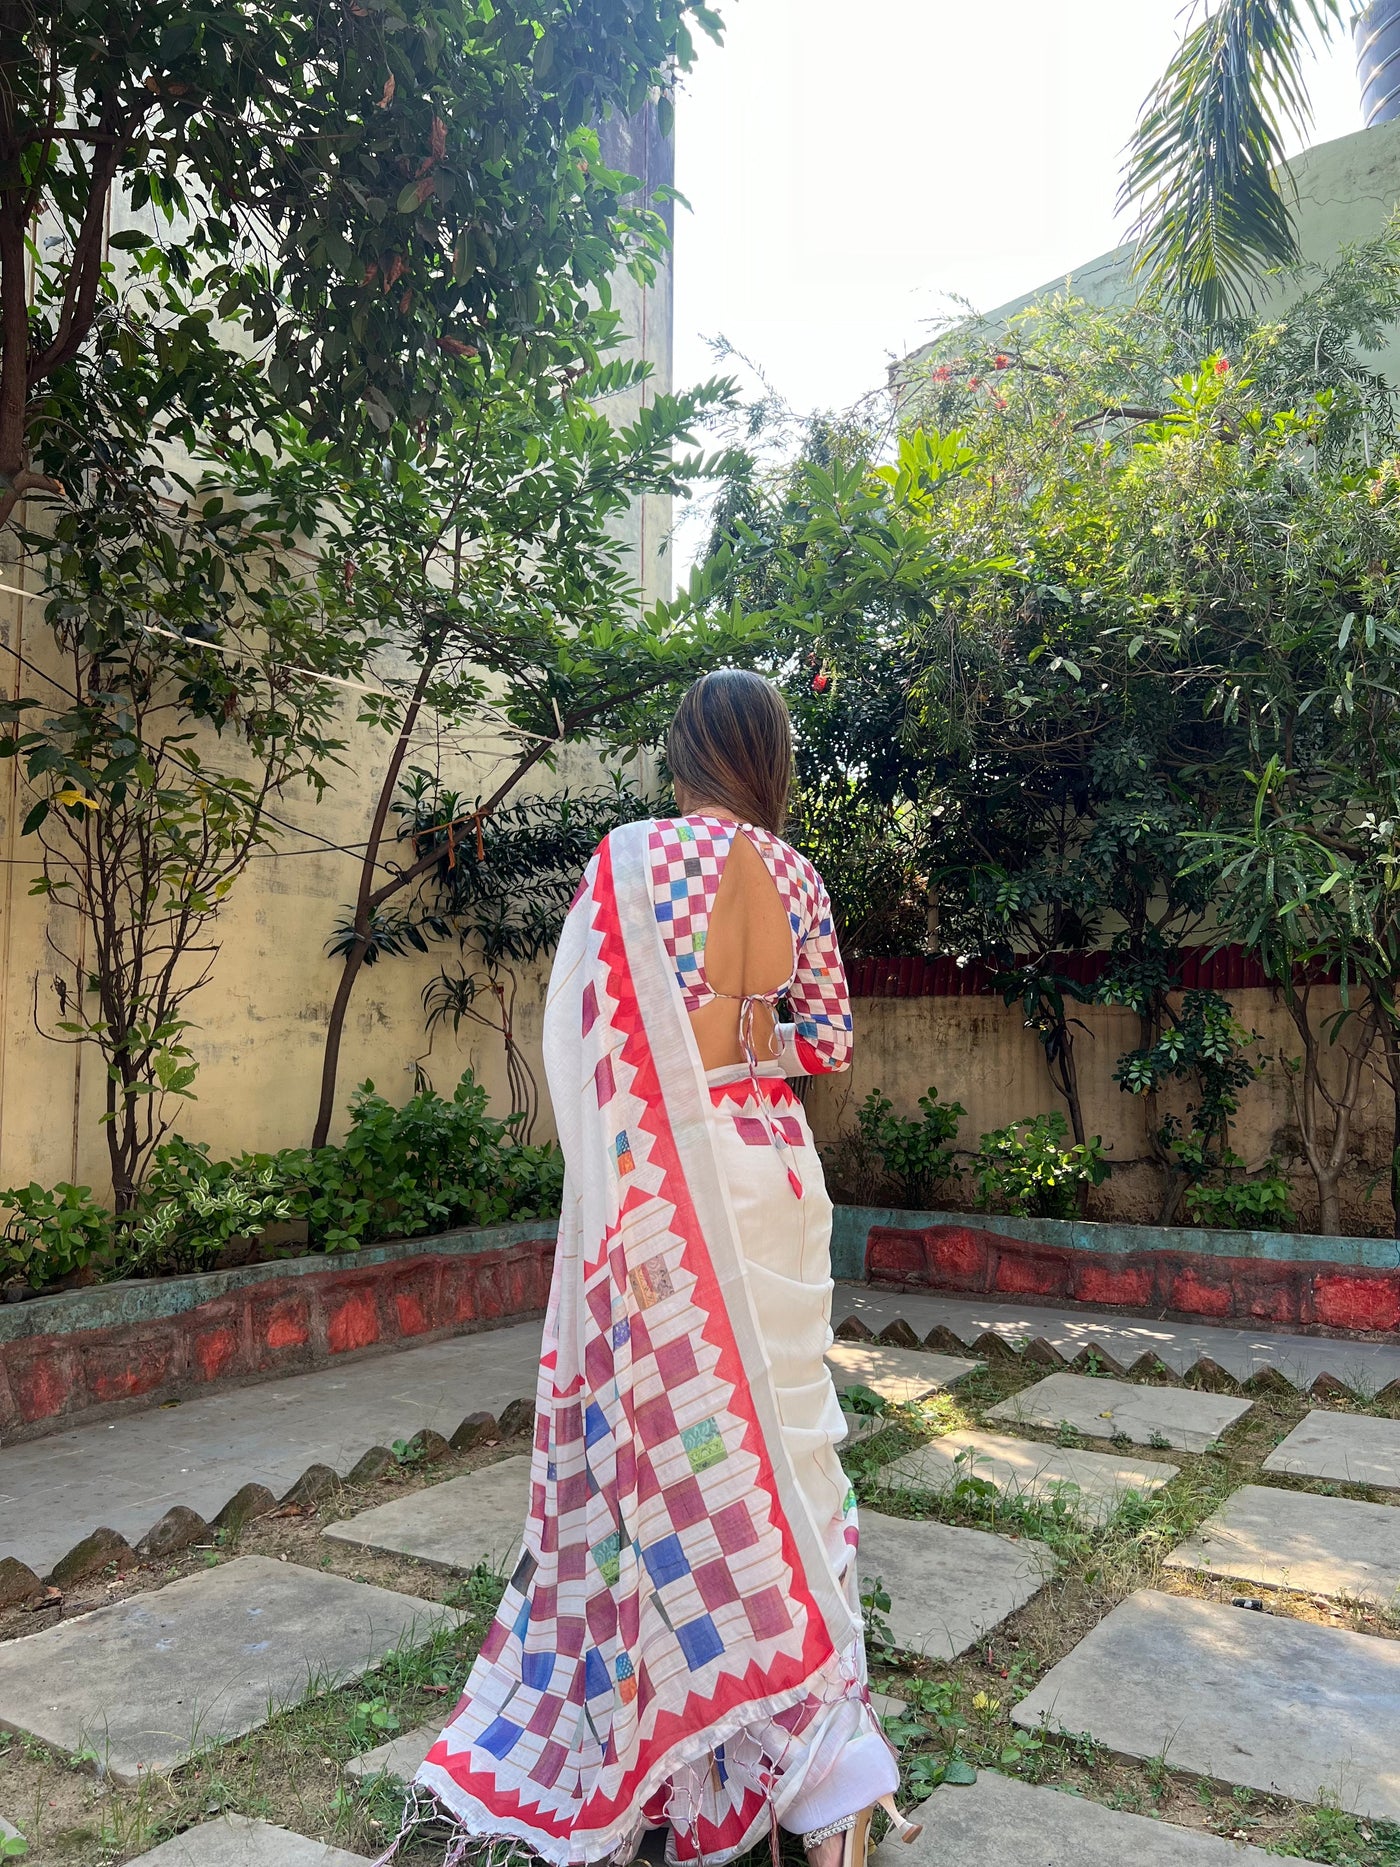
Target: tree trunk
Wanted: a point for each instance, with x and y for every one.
(1327, 1152)
(371, 899)
(1392, 1066)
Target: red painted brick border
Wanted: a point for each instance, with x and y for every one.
(1296, 1294)
(280, 1326)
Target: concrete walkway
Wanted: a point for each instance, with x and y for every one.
(127, 1473)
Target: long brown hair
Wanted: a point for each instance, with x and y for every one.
(731, 744)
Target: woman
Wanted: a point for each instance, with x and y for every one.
(680, 1642)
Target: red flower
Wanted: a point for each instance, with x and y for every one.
(820, 683)
(974, 382)
(1000, 401)
(1000, 362)
(1221, 366)
(942, 373)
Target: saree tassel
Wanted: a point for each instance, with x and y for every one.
(775, 1846)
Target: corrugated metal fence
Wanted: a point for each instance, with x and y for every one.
(1222, 969)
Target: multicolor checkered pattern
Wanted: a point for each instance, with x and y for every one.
(688, 855)
(672, 1610)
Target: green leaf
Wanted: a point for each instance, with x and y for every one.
(36, 816)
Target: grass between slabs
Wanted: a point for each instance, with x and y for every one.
(291, 1769)
(959, 1713)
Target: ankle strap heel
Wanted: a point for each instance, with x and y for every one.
(903, 1827)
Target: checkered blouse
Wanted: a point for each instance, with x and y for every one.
(687, 859)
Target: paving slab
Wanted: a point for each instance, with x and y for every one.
(1093, 1484)
(886, 1707)
(128, 1472)
(1282, 1706)
(1291, 1539)
(148, 1682)
(1174, 1416)
(999, 1822)
(235, 1841)
(399, 1758)
(1349, 1448)
(1366, 1367)
(947, 1586)
(898, 1375)
(8, 1832)
(862, 1426)
(464, 1521)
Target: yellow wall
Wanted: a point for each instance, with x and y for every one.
(978, 1052)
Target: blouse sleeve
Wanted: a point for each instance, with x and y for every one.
(818, 1041)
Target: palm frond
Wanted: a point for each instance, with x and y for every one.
(1202, 165)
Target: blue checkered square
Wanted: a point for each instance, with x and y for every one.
(500, 1737)
(700, 1642)
(666, 1561)
(536, 1671)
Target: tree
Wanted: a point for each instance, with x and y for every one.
(1205, 164)
(494, 563)
(333, 225)
(196, 683)
(1151, 533)
(371, 195)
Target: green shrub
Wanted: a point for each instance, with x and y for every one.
(1263, 1204)
(51, 1232)
(192, 1206)
(913, 1153)
(428, 1166)
(1026, 1168)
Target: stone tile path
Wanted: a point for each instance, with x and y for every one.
(998, 1822)
(861, 1426)
(1278, 1705)
(1350, 1448)
(454, 1525)
(898, 1375)
(1291, 1539)
(1149, 1416)
(126, 1474)
(947, 1586)
(235, 1841)
(150, 1681)
(8, 1832)
(1367, 1366)
(1094, 1484)
(399, 1758)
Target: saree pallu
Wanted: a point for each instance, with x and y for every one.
(680, 1640)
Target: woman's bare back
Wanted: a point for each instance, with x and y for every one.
(748, 949)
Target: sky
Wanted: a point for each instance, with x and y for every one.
(854, 166)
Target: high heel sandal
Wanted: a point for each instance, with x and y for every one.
(903, 1827)
(855, 1830)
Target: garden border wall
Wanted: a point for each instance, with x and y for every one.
(1287, 1280)
(78, 1356)
(85, 1354)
